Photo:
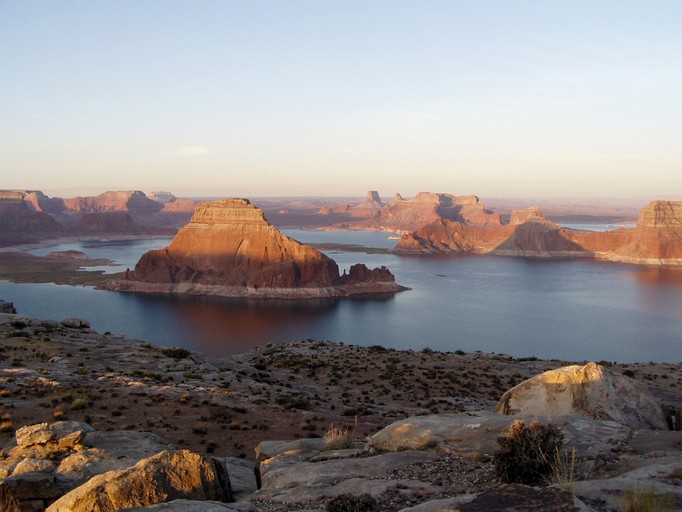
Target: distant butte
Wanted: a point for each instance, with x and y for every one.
(657, 239)
(230, 249)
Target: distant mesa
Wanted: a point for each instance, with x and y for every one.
(657, 239)
(230, 249)
(21, 221)
(130, 200)
(30, 215)
(406, 215)
(162, 197)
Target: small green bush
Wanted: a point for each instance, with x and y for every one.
(350, 503)
(527, 452)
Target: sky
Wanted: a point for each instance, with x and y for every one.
(288, 98)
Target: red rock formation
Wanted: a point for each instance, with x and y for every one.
(523, 215)
(230, 249)
(20, 223)
(133, 201)
(426, 208)
(657, 238)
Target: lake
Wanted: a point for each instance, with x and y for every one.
(570, 309)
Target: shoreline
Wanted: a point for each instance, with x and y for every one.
(276, 391)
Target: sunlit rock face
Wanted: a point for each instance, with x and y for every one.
(658, 238)
(590, 390)
(229, 248)
(523, 215)
(427, 207)
(230, 243)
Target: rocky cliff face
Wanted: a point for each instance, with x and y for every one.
(656, 240)
(130, 200)
(20, 223)
(230, 249)
(426, 208)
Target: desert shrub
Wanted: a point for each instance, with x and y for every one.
(339, 438)
(291, 402)
(527, 452)
(629, 373)
(350, 503)
(175, 353)
(18, 324)
(79, 403)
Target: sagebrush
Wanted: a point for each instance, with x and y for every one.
(527, 452)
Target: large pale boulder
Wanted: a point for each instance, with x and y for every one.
(164, 477)
(591, 390)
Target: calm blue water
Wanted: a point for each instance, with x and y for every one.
(574, 310)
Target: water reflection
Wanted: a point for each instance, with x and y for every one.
(659, 275)
(224, 326)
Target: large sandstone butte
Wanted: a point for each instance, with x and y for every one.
(658, 236)
(230, 249)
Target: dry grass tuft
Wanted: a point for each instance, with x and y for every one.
(639, 499)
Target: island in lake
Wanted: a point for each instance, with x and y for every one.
(230, 249)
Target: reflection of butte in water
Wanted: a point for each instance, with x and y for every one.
(229, 249)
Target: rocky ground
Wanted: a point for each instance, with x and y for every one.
(51, 371)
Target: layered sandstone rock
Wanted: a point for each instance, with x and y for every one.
(19, 221)
(658, 236)
(230, 249)
(166, 476)
(523, 215)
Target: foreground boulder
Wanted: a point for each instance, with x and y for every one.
(230, 249)
(48, 460)
(164, 477)
(591, 390)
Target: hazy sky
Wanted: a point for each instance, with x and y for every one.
(252, 98)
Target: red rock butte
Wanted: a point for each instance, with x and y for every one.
(657, 239)
(230, 249)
